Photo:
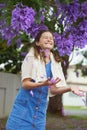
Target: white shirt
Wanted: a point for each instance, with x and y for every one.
(35, 69)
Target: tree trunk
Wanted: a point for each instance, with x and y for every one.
(55, 103)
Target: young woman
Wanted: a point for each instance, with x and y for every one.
(41, 74)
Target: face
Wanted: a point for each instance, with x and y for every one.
(46, 41)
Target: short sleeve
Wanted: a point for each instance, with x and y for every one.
(27, 67)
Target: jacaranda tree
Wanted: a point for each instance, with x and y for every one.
(21, 21)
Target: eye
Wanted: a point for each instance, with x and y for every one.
(51, 38)
(45, 37)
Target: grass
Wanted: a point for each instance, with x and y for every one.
(75, 107)
(55, 122)
(66, 123)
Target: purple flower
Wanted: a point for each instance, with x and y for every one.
(34, 30)
(23, 54)
(2, 6)
(2, 23)
(79, 34)
(83, 25)
(9, 42)
(22, 18)
(64, 44)
(42, 18)
(18, 41)
(71, 11)
(31, 92)
(83, 12)
(42, 10)
(8, 34)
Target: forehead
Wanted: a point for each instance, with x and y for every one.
(47, 34)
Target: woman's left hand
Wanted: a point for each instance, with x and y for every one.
(77, 91)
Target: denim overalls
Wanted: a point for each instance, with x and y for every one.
(29, 108)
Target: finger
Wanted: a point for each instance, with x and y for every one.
(52, 80)
(57, 80)
(79, 93)
(82, 90)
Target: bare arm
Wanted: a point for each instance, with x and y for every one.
(61, 90)
(28, 84)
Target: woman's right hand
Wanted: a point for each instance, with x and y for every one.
(50, 82)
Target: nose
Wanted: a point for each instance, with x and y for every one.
(49, 39)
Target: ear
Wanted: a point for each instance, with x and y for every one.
(37, 43)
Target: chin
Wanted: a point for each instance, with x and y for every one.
(49, 47)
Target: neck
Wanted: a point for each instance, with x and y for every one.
(47, 55)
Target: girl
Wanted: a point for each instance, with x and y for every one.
(41, 73)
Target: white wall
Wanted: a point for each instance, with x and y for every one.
(70, 99)
(9, 84)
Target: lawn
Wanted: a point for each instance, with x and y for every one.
(67, 122)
